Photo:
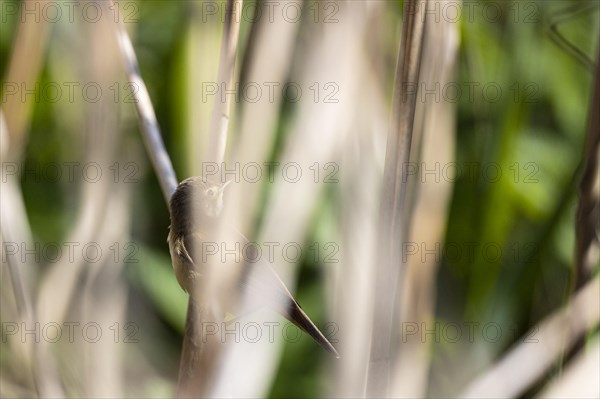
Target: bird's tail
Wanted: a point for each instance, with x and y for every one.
(263, 287)
(297, 316)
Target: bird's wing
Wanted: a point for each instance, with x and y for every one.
(193, 247)
(183, 249)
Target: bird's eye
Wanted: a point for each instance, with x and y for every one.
(211, 192)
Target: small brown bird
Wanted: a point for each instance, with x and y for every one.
(195, 209)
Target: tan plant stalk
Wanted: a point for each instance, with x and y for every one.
(587, 222)
(527, 361)
(220, 116)
(393, 225)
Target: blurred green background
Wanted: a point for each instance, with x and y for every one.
(519, 198)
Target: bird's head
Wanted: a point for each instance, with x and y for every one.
(209, 195)
(198, 194)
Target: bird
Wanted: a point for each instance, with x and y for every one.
(196, 209)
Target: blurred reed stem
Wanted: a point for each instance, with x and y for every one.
(145, 111)
(393, 226)
(524, 364)
(587, 222)
(199, 359)
(220, 115)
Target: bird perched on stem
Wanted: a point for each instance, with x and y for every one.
(196, 208)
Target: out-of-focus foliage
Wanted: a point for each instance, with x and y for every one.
(510, 230)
